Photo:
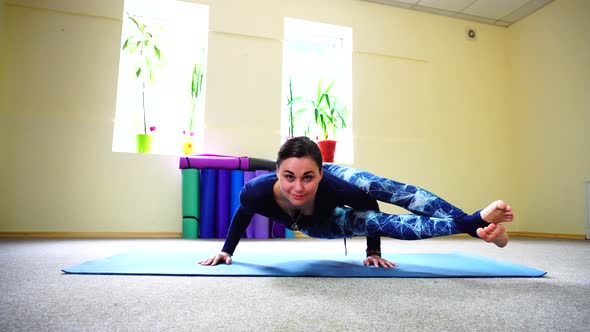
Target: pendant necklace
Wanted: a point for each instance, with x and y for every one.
(294, 225)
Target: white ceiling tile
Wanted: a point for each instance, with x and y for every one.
(542, 3)
(434, 10)
(493, 9)
(503, 24)
(495, 12)
(525, 10)
(451, 5)
(521, 12)
(475, 18)
(406, 1)
(392, 3)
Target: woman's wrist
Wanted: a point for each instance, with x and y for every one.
(373, 252)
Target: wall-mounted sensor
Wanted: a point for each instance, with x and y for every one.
(470, 34)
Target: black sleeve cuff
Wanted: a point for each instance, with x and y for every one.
(373, 245)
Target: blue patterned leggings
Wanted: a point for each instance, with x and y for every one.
(431, 215)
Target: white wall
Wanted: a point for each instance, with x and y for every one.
(550, 60)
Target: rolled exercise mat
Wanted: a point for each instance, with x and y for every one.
(249, 175)
(289, 234)
(203, 161)
(190, 228)
(236, 182)
(261, 223)
(277, 230)
(208, 198)
(265, 164)
(225, 162)
(222, 207)
(190, 203)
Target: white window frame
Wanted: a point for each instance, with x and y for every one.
(169, 98)
(338, 68)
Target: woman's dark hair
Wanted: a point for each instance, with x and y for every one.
(299, 147)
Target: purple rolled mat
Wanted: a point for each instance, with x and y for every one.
(214, 161)
(203, 161)
(222, 206)
(249, 175)
(260, 226)
(277, 230)
(261, 223)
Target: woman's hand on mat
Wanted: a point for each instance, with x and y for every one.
(378, 261)
(221, 257)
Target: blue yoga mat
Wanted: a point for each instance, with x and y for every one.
(236, 182)
(222, 205)
(208, 200)
(453, 265)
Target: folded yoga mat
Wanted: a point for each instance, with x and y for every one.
(208, 200)
(419, 265)
(225, 162)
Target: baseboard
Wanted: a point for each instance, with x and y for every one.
(92, 234)
(550, 235)
(179, 235)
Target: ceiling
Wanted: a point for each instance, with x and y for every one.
(495, 12)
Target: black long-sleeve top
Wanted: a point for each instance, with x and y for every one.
(257, 197)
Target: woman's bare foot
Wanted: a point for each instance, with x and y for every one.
(497, 212)
(495, 233)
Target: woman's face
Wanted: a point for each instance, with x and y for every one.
(299, 179)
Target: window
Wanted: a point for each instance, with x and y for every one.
(161, 105)
(317, 56)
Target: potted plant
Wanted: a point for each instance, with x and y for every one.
(141, 44)
(195, 91)
(330, 115)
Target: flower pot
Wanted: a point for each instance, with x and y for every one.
(144, 143)
(187, 147)
(328, 148)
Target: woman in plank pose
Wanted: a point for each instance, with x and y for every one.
(330, 201)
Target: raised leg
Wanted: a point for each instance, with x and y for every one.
(411, 198)
(347, 222)
(433, 216)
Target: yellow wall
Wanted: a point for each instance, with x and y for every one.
(550, 66)
(429, 107)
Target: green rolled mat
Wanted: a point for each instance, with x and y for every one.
(190, 228)
(191, 200)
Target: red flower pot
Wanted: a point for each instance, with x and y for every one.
(328, 148)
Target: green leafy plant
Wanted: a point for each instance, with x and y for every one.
(328, 112)
(291, 102)
(142, 45)
(196, 87)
